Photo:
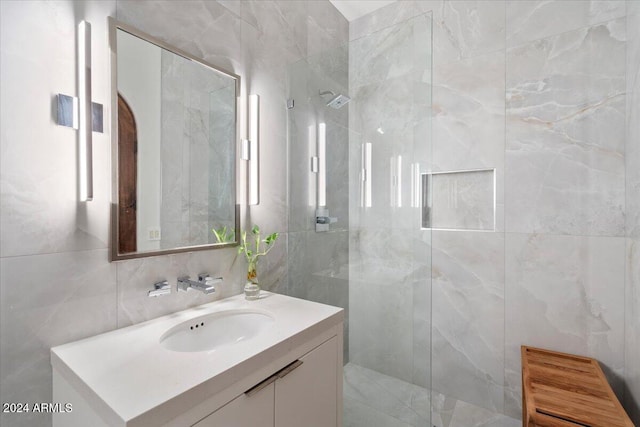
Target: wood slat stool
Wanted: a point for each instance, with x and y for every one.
(563, 390)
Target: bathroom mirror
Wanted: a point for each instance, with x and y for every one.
(174, 130)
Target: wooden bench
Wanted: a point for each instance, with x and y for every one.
(563, 390)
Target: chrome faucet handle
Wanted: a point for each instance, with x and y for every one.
(160, 288)
(205, 283)
(184, 283)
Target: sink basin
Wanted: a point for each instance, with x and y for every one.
(212, 331)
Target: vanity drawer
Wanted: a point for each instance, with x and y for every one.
(246, 410)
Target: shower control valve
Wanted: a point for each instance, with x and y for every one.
(323, 219)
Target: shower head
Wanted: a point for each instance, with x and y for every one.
(336, 101)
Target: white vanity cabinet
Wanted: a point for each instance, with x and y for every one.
(289, 375)
(301, 394)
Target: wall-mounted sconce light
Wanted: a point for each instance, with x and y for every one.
(322, 164)
(82, 114)
(318, 151)
(312, 146)
(85, 153)
(253, 190)
(415, 185)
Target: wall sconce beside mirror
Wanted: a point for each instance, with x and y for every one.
(251, 151)
(174, 133)
(82, 114)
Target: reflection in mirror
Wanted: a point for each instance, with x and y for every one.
(176, 129)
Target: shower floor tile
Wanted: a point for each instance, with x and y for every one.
(372, 399)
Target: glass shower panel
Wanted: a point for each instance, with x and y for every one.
(387, 379)
(318, 147)
(363, 112)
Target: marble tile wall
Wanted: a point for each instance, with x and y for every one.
(565, 184)
(565, 133)
(632, 341)
(56, 284)
(468, 317)
(564, 293)
(536, 90)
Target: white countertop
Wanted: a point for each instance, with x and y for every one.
(130, 375)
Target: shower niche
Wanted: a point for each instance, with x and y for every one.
(459, 200)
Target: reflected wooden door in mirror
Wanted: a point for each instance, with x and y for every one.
(127, 188)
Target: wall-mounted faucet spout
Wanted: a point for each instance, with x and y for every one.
(204, 284)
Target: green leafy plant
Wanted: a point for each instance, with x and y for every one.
(224, 235)
(253, 250)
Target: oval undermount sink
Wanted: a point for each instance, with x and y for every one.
(212, 331)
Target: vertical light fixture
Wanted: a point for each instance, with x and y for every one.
(85, 149)
(365, 176)
(322, 164)
(313, 167)
(254, 151)
(415, 185)
(395, 181)
(399, 181)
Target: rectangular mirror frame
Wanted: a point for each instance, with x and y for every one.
(114, 255)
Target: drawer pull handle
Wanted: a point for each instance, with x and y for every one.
(280, 374)
(256, 388)
(288, 369)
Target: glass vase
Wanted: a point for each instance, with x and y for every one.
(252, 288)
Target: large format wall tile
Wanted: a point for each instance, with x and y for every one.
(38, 169)
(327, 28)
(205, 29)
(318, 270)
(382, 277)
(380, 327)
(468, 317)
(318, 266)
(422, 297)
(387, 16)
(282, 24)
(462, 29)
(136, 278)
(398, 51)
(468, 28)
(632, 325)
(468, 113)
(564, 293)
(529, 20)
(469, 119)
(48, 300)
(632, 329)
(565, 133)
(632, 154)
